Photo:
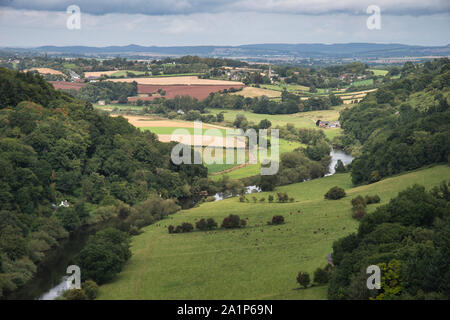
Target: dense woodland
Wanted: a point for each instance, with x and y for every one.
(409, 239)
(55, 148)
(401, 127)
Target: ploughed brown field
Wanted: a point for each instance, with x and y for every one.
(196, 91)
(65, 85)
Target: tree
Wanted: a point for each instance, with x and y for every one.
(91, 289)
(321, 276)
(303, 279)
(211, 224)
(240, 122)
(339, 167)
(335, 193)
(233, 221)
(75, 294)
(277, 219)
(201, 224)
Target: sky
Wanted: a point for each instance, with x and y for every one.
(30, 23)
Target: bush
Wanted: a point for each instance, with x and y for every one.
(373, 199)
(91, 289)
(282, 197)
(201, 225)
(211, 223)
(359, 201)
(321, 276)
(187, 227)
(171, 229)
(277, 220)
(335, 193)
(75, 294)
(270, 198)
(359, 212)
(233, 221)
(303, 279)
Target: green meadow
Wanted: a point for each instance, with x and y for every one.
(379, 72)
(258, 261)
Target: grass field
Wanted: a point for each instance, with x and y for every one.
(299, 120)
(252, 92)
(260, 261)
(363, 83)
(379, 72)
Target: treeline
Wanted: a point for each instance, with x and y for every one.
(408, 239)
(390, 134)
(107, 90)
(53, 148)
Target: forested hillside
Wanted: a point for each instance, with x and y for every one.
(409, 239)
(401, 127)
(55, 148)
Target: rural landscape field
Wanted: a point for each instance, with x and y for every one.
(225, 159)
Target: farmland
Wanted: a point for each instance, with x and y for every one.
(260, 261)
(252, 92)
(47, 71)
(178, 80)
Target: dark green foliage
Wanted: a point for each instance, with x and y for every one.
(75, 294)
(107, 90)
(104, 255)
(321, 276)
(201, 224)
(91, 289)
(233, 221)
(397, 132)
(408, 239)
(335, 193)
(340, 168)
(211, 224)
(303, 279)
(277, 220)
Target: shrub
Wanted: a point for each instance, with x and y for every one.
(171, 229)
(211, 199)
(282, 197)
(201, 225)
(373, 199)
(277, 219)
(178, 229)
(262, 199)
(211, 223)
(335, 193)
(270, 198)
(187, 227)
(91, 289)
(321, 276)
(233, 221)
(303, 279)
(242, 198)
(359, 212)
(75, 294)
(359, 201)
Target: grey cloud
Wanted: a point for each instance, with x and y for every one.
(174, 7)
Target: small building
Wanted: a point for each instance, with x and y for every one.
(180, 112)
(101, 102)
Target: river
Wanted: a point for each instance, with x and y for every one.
(49, 281)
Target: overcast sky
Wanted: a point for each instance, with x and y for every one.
(227, 22)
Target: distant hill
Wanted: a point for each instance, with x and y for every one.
(314, 50)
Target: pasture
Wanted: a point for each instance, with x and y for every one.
(258, 261)
(252, 92)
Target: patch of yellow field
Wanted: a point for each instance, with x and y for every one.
(252, 92)
(99, 73)
(145, 122)
(205, 140)
(46, 71)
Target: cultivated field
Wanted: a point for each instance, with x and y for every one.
(46, 71)
(183, 80)
(252, 92)
(99, 73)
(260, 261)
(66, 85)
